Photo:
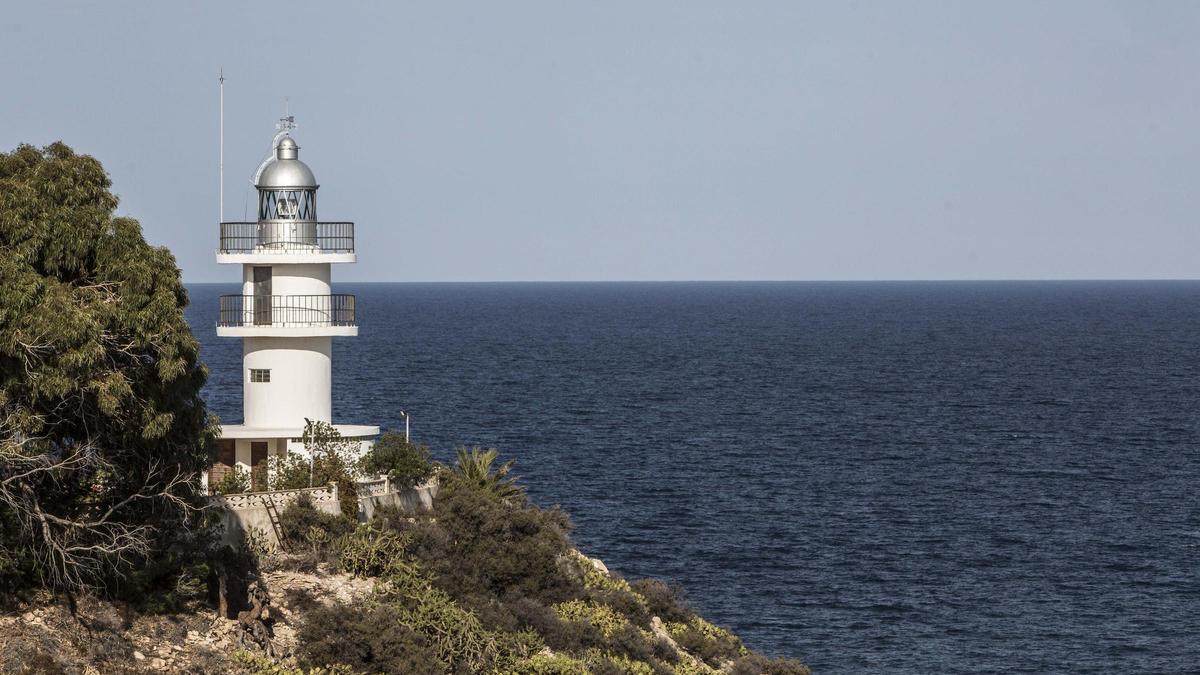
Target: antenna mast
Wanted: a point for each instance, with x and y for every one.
(221, 160)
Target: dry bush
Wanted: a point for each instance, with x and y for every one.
(368, 639)
(662, 600)
(757, 664)
(712, 644)
(301, 518)
(479, 543)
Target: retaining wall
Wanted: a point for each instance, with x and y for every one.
(241, 514)
(245, 512)
(376, 493)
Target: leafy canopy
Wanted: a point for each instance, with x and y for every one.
(405, 463)
(102, 428)
(328, 458)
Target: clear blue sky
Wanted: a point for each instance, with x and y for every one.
(648, 140)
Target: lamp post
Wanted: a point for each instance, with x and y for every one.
(307, 438)
(405, 416)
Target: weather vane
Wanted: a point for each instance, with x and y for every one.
(288, 121)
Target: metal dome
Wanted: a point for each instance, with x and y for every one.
(286, 171)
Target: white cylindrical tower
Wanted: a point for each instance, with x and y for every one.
(288, 378)
(287, 312)
(297, 385)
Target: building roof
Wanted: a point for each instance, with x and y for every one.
(243, 431)
(286, 170)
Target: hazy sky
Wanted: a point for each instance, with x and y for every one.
(647, 140)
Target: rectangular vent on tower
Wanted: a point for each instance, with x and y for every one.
(260, 374)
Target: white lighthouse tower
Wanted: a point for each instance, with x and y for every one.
(286, 314)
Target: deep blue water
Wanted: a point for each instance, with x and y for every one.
(871, 477)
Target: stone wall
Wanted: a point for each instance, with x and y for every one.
(241, 514)
(246, 513)
(376, 493)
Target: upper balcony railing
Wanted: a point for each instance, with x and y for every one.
(286, 311)
(283, 236)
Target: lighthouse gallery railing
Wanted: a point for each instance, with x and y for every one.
(281, 236)
(287, 311)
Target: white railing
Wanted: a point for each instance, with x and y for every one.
(287, 237)
(373, 487)
(279, 498)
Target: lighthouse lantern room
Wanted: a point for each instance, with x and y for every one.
(286, 314)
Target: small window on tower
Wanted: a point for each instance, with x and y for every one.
(260, 375)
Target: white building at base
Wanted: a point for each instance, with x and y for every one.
(287, 316)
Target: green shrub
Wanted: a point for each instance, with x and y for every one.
(706, 641)
(235, 482)
(571, 636)
(595, 579)
(366, 638)
(514, 646)
(696, 667)
(461, 641)
(665, 602)
(608, 662)
(456, 635)
(290, 472)
(609, 589)
(405, 464)
(582, 627)
(601, 616)
(370, 552)
(523, 614)
(300, 518)
(635, 643)
(757, 664)
(548, 664)
(477, 543)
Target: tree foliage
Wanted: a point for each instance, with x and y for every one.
(235, 481)
(406, 464)
(328, 458)
(102, 429)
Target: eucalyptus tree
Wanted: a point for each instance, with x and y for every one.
(102, 429)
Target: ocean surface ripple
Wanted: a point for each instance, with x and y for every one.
(871, 477)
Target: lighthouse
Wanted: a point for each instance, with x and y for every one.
(286, 314)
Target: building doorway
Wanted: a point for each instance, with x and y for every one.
(258, 466)
(262, 296)
(223, 461)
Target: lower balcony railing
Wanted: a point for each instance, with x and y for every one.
(287, 236)
(287, 311)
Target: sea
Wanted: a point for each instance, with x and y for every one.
(900, 477)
